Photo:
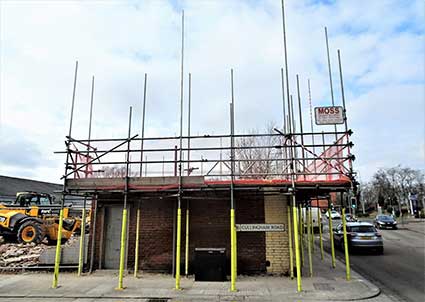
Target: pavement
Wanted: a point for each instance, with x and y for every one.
(398, 275)
(327, 284)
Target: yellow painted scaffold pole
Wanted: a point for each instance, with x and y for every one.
(236, 249)
(58, 251)
(124, 211)
(82, 239)
(347, 256)
(301, 231)
(232, 251)
(331, 238)
(309, 242)
(186, 254)
(68, 154)
(178, 246)
(297, 248)
(122, 250)
(291, 256)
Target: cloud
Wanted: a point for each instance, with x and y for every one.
(119, 41)
(19, 153)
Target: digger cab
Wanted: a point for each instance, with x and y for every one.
(31, 199)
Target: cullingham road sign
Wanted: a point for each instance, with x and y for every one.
(277, 227)
(329, 115)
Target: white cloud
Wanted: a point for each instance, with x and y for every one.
(382, 51)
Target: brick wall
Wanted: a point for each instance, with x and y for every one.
(277, 249)
(156, 235)
(250, 245)
(209, 227)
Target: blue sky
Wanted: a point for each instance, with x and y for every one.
(382, 45)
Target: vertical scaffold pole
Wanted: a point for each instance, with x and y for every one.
(233, 255)
(186, 251)
(301, 126)
(331, 238)
(291, 256)
(330, 76)
(186, 256)
(136, 248)
(310, 258)
(346, 252)
(180, 168)
(297, 249)
(312, 228)
(58, 250)
(142, 141)
(293, 195)
(301, 221)
(82, 236)
(67, 143)
(124, 211)
(344, 109)
(93, 234)
(319, 221)
(178, 247)
(83, 214)
(311, 122)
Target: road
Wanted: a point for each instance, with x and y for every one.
(400, 271)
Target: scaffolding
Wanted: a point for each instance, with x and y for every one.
(285, 160)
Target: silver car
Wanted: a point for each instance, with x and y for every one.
(362, 235)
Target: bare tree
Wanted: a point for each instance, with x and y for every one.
(392, 187)
(258, 161)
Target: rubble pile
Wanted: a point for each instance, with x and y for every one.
(20, 255)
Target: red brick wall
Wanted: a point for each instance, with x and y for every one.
(156, 236)
(209, 227)
(251, 245)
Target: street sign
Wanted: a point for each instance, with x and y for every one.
(329, 115)
(276, 227)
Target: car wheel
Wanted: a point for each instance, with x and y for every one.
(380, 250)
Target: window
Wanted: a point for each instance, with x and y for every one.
(385, 218)
(34, 201)
(362, 229)
(44, 201)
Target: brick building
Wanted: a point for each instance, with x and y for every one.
(256, 202)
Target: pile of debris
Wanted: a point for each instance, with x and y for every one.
(20, 255)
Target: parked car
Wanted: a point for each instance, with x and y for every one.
(362, 235)
(334, 215)
(385, 222)
(350, 218)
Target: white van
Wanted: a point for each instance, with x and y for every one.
(316, 216)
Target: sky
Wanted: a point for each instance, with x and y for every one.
(382, 46)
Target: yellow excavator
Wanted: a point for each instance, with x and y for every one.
(34, 217)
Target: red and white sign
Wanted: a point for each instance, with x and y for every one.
(329, 115)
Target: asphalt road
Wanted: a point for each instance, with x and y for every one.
(400, 271)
